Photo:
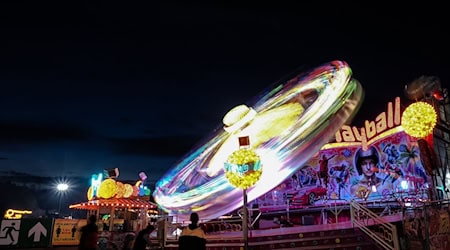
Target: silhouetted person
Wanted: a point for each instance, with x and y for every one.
(89, 234)
(143, 238)
(74, 230)
(58, 231)
(192, 237)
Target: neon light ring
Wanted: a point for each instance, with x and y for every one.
(287, 125)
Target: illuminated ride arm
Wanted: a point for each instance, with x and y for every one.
(287, 126)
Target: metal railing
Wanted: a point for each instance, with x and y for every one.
(381, 231)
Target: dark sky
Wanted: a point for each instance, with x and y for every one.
(89, 86)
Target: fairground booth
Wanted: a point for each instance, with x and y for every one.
(122, 208)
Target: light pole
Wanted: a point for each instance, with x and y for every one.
(61, 189)
(242, 170)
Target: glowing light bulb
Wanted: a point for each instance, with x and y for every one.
(419, 119)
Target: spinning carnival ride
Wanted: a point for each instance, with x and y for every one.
(287, 125)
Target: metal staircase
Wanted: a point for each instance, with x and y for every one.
(374, 226)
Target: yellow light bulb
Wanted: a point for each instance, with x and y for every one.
(243, 168)
(419, 119)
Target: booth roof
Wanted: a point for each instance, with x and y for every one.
(119, 203)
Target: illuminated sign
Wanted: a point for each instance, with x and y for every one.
(96, 180)
(110, 188)
(65, 232)
(384, 121)
(15, 214)
(143, 190)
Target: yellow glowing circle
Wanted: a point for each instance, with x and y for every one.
(120, 189)
(243, 156)
(419, 119)
(107, 188)
(90, 193)
(243, 181)
(337, 240)
(243, 168)
(128, 190)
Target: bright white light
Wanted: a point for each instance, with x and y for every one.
(374, 188)
(62, 187)
(176, 232)
(404, 184)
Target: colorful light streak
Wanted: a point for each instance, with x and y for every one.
(289, 127)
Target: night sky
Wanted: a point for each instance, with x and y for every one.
(90, 86)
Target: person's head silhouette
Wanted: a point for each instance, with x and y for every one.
(92, 218)
(194, 218)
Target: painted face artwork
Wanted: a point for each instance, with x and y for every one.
(367, 166)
